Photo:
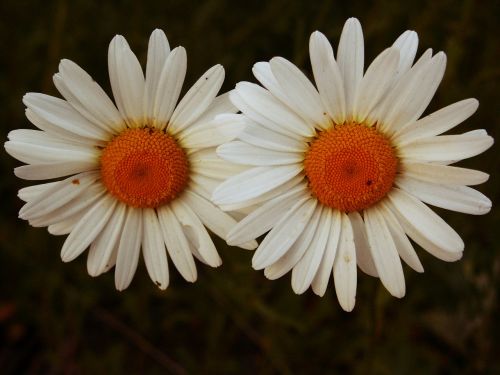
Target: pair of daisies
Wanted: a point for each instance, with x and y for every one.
(337, 173)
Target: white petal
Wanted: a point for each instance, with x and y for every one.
(279, 190)
(375, 83)
(425, 221)
(197, 99)
(350, 57)
(221, 105)
(420, 238)
(153, 249)
(53, 170)
(363, 253)
(222, 129)
(86, 96)
(262, 71)
(444, 174)
(213, 217)
(252, 183)
(177, 244)
(261, 106)
(46, 152)
(284, 234)
(384, 252)
(301, 94)
(196, 233)
(64, 227)
(260, 136)
(30, 193)
(451, 197)
(327, 76)
(295, 253)
(129, 248)
(407, 44)
(87, 229)
(437, 122)
(158, 50)
(264, 218)
(403, 245)
(57, 116)
(410, 97)
(305, 270)
(169, 87)
(127, 82)
(325, 270)
(447, 147)
(101, 249)
(57, 195)
(206, 163)
(242, 153)
(77, 206)
(344, 266)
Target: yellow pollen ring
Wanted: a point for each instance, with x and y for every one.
(350, 167)
(144, 167)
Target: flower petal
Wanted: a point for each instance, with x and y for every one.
(437, 122)
(264, 217)
(328, 77)
(261, 106)
(153, 249)
(451, 197)
(284, 234)
(47, 171)
(320, 282)
(305, 270)
(197, 99)
(375, 83)
(350, 58)
(177, 244)
(403, 245)
(169, 87)
(86, 96)
(425, 221)
(363, 253)
(301, 94)
(158, 51)
(448, 147)
(384, 253)
(407, 44)
(101, 249)
(295, 253)
(242, 153)
(196, 233)
(213, 217)
(88, 228)
(127, 82)
(344, 266)
(58, 118)
(129, 248)
(252, 183)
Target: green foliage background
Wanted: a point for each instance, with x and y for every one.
(55, 319)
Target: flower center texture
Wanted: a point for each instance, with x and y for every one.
(350, 167)
(144, 167)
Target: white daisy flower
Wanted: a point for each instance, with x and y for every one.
(341, 171)
(140, 173)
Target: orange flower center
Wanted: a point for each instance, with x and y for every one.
(144, 167)
(350, 167)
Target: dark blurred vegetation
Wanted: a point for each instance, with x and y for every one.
(55, 319)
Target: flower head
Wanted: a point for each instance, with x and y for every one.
(341, 171)
(140, 173)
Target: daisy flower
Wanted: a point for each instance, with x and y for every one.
(139, 175)
(341, 172)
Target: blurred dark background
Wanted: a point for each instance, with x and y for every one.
(55, 319)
